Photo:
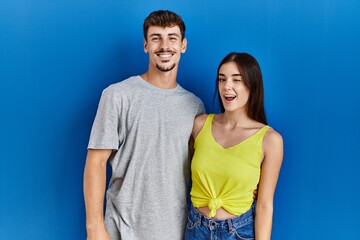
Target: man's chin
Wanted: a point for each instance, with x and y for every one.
(165, 68)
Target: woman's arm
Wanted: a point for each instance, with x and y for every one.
(273, 156)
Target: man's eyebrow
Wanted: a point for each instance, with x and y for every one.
(155, 35)
(159, 35)
(173, 34)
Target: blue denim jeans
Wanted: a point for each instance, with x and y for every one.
(200, 227)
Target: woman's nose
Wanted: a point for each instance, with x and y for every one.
(228, 85)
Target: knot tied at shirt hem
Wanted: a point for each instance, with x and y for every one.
(214, 204)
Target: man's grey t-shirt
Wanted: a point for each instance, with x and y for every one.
(149, 129)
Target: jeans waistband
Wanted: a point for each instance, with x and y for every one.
(228, 224)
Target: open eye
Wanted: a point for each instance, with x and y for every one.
(221, 79)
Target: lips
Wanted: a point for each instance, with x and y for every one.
(229, 97)
(165, 54)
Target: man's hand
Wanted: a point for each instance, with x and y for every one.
(98, 235)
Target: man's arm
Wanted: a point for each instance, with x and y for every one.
(94, 191)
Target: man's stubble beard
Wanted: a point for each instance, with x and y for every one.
(165, 69)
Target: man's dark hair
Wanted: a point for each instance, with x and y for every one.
(164, 18)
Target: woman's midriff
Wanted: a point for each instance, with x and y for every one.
(221, 213)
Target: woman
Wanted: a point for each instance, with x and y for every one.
(235, 154)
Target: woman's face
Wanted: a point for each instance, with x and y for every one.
(232, 89)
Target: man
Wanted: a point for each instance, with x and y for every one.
(142, 128)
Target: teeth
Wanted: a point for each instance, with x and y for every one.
(229, 97)
(165, 55)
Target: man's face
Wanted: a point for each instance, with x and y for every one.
(164, 46)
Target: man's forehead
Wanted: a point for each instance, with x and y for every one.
(164, 30)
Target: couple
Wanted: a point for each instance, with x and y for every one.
(142, 127)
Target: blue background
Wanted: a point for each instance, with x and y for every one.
(57, 56)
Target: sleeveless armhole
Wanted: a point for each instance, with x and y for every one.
(208, 121)
(263, 132)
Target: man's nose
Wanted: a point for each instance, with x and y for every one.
(164, 44)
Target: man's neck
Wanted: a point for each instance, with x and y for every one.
(166, 80)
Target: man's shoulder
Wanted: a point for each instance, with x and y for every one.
(123, 83)
(189, 94)
(190, 100)
(120, 86)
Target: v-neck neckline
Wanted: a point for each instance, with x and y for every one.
(235, 145)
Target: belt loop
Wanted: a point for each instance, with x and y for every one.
(198, 217)
(201, 218)
(229, 222)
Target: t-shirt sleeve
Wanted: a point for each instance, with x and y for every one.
(201, 109)
(105, 129)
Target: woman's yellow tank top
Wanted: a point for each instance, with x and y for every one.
(225, 177)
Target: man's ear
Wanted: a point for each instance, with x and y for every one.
(183, 45)
(145, 46)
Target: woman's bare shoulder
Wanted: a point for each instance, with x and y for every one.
(273, 135)
(198, 124)
(201, 118)
(273, 142)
